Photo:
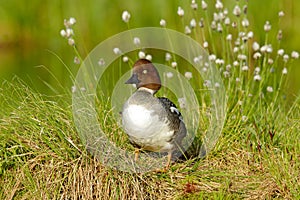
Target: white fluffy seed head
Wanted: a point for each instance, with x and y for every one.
(169, 74)
(136, 41)
(250, 35)
(280, 14)
(187, 30)
(257, 77)
(126, 16)
(229, 37)
(256, 55)
(141, 54)
(284, 71)
(168, 57)
(245, 68)
(237, 10)
(295, 55)
(188, 75)
(174, 64)
(117, 51)
(71, 41)
(255, 46)
(148, 57)
(125, 59)
(286, 57)
(245, 23)
(180, 11)
(194, 5)
(193, 23)
(204, 5)
(72, 21)
(280, 52)
(270, 89)
(227, 21)
(219, 5)
(101, 62)
(267, 26)
(163, 23)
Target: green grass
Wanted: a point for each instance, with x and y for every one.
(42, 158)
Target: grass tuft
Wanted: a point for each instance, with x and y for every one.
(42, 158)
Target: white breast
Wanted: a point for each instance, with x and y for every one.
(139, 121)
(139, 115)
(146, 128)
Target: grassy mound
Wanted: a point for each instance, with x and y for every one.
(42, 158)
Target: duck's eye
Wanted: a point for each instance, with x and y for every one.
(145, 71)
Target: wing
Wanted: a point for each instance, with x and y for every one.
(174, 116)
(170, 107)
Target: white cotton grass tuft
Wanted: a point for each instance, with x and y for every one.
(284, 71)
(245, 23)
(168, 57)
(169, 74)
(255, 46)
(136, 41)
(198, 59)
(63, 33)
(76, 60)
(68, 32)
(204, 5)
(193, 23)
(250, 35)
(73, 89)
(219, 5)
(141, 54)
(286, 57)
(257, 55)
(237, 11)
(71, 41)
(174, 64)
(149, 57)
(257, 77)
(188, 75)
(227, 21)
(182, 102)
(212, 57)
(245, 68)
(267, 26)
(162, 23)
(101, 62)
(280, 14)
(187, 30)
(126, 16)
(72, 21)
(270, 89)
(229, 37)
(194, 5)
(180, 11)
(125, 59)
(294, 55)
(280, 52)
(117, 51)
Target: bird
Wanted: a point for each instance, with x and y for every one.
(152, 123)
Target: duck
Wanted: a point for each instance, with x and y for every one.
(151, 123)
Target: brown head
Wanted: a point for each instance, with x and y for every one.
(145, 75)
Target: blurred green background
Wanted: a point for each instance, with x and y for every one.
(32, 48)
